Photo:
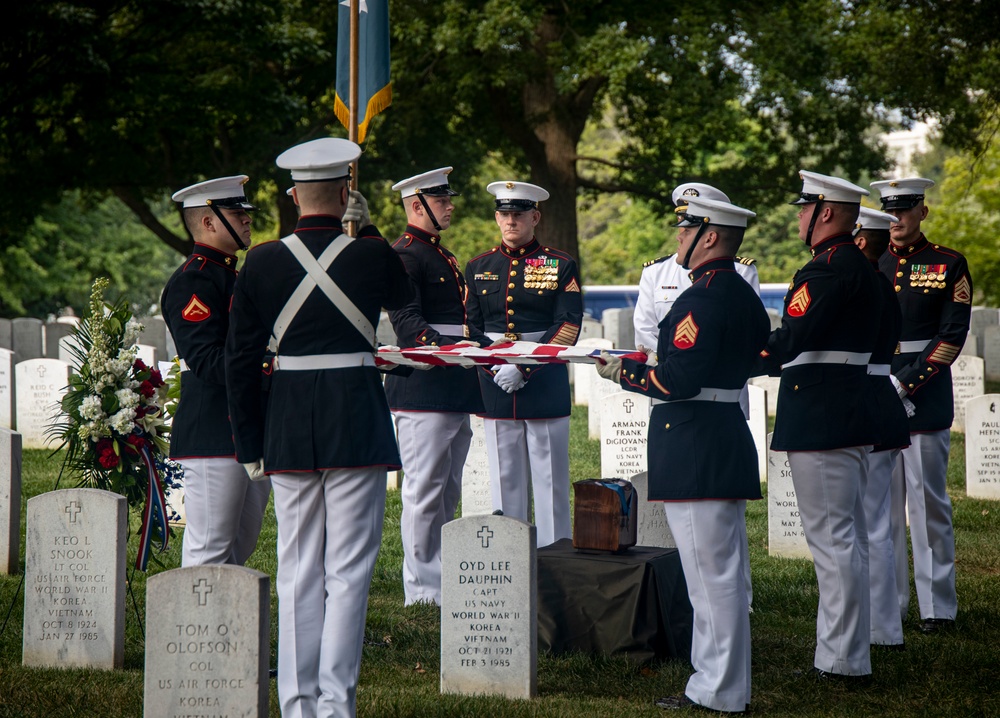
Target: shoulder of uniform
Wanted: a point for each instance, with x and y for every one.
(558, 253)
(651, 262)
(268, 243)
(194, 263)
(749, 261)
(487, 253)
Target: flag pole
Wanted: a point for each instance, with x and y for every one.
(352, 128)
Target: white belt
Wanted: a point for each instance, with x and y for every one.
(728, 396)
(323, 361)
(831, 357)
(523, 336)
(451, 330)
(184, 366)
(917, 345)
(878, 370)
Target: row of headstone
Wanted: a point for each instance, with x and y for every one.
(982, 447)
(10, 501)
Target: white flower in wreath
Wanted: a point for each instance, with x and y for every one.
(127, 398)
(132, 331)
(91, 408)
(123, 421)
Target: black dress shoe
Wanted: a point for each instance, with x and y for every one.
(682, 702)
(933, 625)
(828, 677)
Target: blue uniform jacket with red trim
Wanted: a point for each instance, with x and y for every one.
(710, 338)
(895, 425)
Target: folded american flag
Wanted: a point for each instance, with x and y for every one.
(506, 353)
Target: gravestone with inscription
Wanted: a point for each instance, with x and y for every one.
(27, 338)
(10, 500)
(757, 422)
(991, 352)
(770, 384)
(207, 643)
(74, 597)
(41, 384)
(980, 318)
(477, 499)
(590, 328)
(600, 388)
(624, 420)
(489, 608)
(585, 373)
(785, 535)
(982, 447)
(7, 389)
(967, 382)
(651, 523)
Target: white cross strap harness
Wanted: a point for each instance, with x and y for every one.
(316, 276)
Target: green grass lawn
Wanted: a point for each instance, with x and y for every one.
(952, 674)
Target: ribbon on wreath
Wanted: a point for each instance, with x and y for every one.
(153, 514)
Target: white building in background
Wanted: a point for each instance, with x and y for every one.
(904, 144)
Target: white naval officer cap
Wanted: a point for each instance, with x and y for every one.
(322, 160)
(700, 210)
(902, 193)
(873, 219)
(289, 191)
(431, 184)
(225, 192)
(682, 192)
(516, 196)
(817, 187)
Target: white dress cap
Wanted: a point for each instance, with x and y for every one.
(327, 158)
(873, 219)
(516, 196)
(700, 210)
(817, 187)
(432, 184)
(223, 192)
(682, 192)
(902, 193)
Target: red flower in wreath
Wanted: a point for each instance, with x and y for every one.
(106, 455)
(146, 389)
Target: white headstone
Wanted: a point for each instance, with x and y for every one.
(971, 346)
(41, 385)
(981, 318)
(785, 536)
(66, 345)
(489, 608)
(618, 327)
(590, 328)
(775, 316)
(74, 598)
(651, 523)
(583, 374)
(55, 332)
(982, 447)
(10, 501)
(207, 643)
(624, 418)
(476, 497)
(967, 382)
(6, 389)
(758, 425)
(600, 388)
(384, 333)
(154, 334)
(146, 352)
(991, 352)
(770, 385)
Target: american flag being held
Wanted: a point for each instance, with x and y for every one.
(467, 355)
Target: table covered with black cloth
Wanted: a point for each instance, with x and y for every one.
(634, 603)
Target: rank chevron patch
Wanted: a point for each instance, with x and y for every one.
(799, 302)
(686, 333)
(962, 292)
(196, 310)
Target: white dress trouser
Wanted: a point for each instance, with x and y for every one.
(433, 447)
(830, 487)
(924, 466)
(709, 539)
(329, 531)
(900, 540)
(223, 509)
(535, 449)
(886, 623)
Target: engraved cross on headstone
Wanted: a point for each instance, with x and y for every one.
(628, 404)
(202, 588)
(485, 534)
(73, 509)
(41, 371)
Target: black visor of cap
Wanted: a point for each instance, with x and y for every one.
(233, 203)
(516, 205)
(688, 220)
(806, 198)
(901, 201)
(441, 190)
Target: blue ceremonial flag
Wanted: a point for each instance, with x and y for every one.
(374, 86)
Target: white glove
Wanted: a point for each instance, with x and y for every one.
(357, 210)
(509, 378)
(255, 470)
(650, 354)
(498, 342)
(910, 408)
(899, 387)
(389, 366)
(467, 343)
(611, 369)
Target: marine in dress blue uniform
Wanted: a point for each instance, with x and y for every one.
(824, 418)
(886, 623)
(224, 509)
(934, 289)
(522, 290)
(708, 344)
(431, 407)
(326, 439)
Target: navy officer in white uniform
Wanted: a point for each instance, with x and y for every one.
(326, 439)
(709, 343)
(224, 509)
(523, 290)
(431, 407)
